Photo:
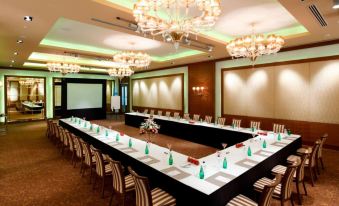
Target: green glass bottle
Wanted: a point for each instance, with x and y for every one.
(85, 124)
(201, 173)
(91, 127)
(117, 137)
(233, 126)
(224, 163)
(279, 137)
(170, 159)
(130, 143)
(264, 144)
(146, 149)
(98, 129)
(289, 132)
(106, 133)
(249, 152)
(252, 129)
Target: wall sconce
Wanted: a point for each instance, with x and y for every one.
(200, 91)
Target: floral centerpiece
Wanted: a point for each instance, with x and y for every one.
(149, 127)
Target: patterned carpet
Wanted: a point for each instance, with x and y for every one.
(33, 172)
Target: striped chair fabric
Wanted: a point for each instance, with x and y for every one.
(168, 114)
(145, 197)
(221, 120)
(71, 140)
(236, 122)
(176, 115)
(208, 119)
(152, 112)
(278, 128)
(282, 191)
(78, 148)
(255, 125)
(320, 152)
(298, 176)
(101, 168)
(89, 160)
(49, 125)
(121, 183)
(265, 198)
(196, 117)
(311, 160)
(187, 116)
(159, 112)
(146, 111)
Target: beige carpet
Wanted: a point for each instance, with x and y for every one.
(33, 172)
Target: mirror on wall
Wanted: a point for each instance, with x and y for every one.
(25, 98)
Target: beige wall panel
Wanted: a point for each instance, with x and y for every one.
(234, 92)
(163, 92)
(260, 92)
(292, 92)
(324, 86)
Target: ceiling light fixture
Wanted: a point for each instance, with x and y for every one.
(120, 72)
(175, 19)
(255, 45)
(28, 18)
(133, 59)
(15, 53)
(335, 4)
(63, 68)
(12, 61)
(19, 41)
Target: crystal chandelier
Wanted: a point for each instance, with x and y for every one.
(120, 72)
(255, 45)
(63, 68)
(133, 59)
(176, 19)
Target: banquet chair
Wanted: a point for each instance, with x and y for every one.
(151, 112)
(208, 119)
(121, 184)
(221, 121)
(144, 196)
(71, 146)
(146, 111)
(159, 113)
(89, 160)
(102, 169)
(54, 133)
(187, 116)
(79, 152)
(196, 117)
(265, 197)
(283, 191)
(236, 122)
(168, 114)
(49, 129)
(58, 136)
(176, 115)
(255, 125)
(298, 176)
(278, 128)
(64, 139)
(311, 160)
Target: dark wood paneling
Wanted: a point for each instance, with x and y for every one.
(309, 131)
(201, 74)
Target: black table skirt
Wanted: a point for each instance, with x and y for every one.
(187, 195)
(194, 133)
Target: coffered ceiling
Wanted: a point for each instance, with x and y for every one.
(96, 29)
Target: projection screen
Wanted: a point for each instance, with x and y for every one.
(84, 96)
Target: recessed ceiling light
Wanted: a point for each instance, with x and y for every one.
(12, 61)
(19, 41)
(16, 53)
(28, 18)
(335, 4)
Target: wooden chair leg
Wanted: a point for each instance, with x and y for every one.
(315, 173)
(103, 187)
(95, 179)
(298, 191)
(311, 174)
(317, 166)
(110, 201)
(291, 199)
(322, 163)
(304, 187)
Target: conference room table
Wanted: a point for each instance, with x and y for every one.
(199, 132)
(182, 179)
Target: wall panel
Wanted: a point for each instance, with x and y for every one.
(161, 92)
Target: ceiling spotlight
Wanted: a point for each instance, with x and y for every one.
(12, 61)
(16, 53)
(19, 41)
(335, 4)
(210, 48)
(28, 18)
